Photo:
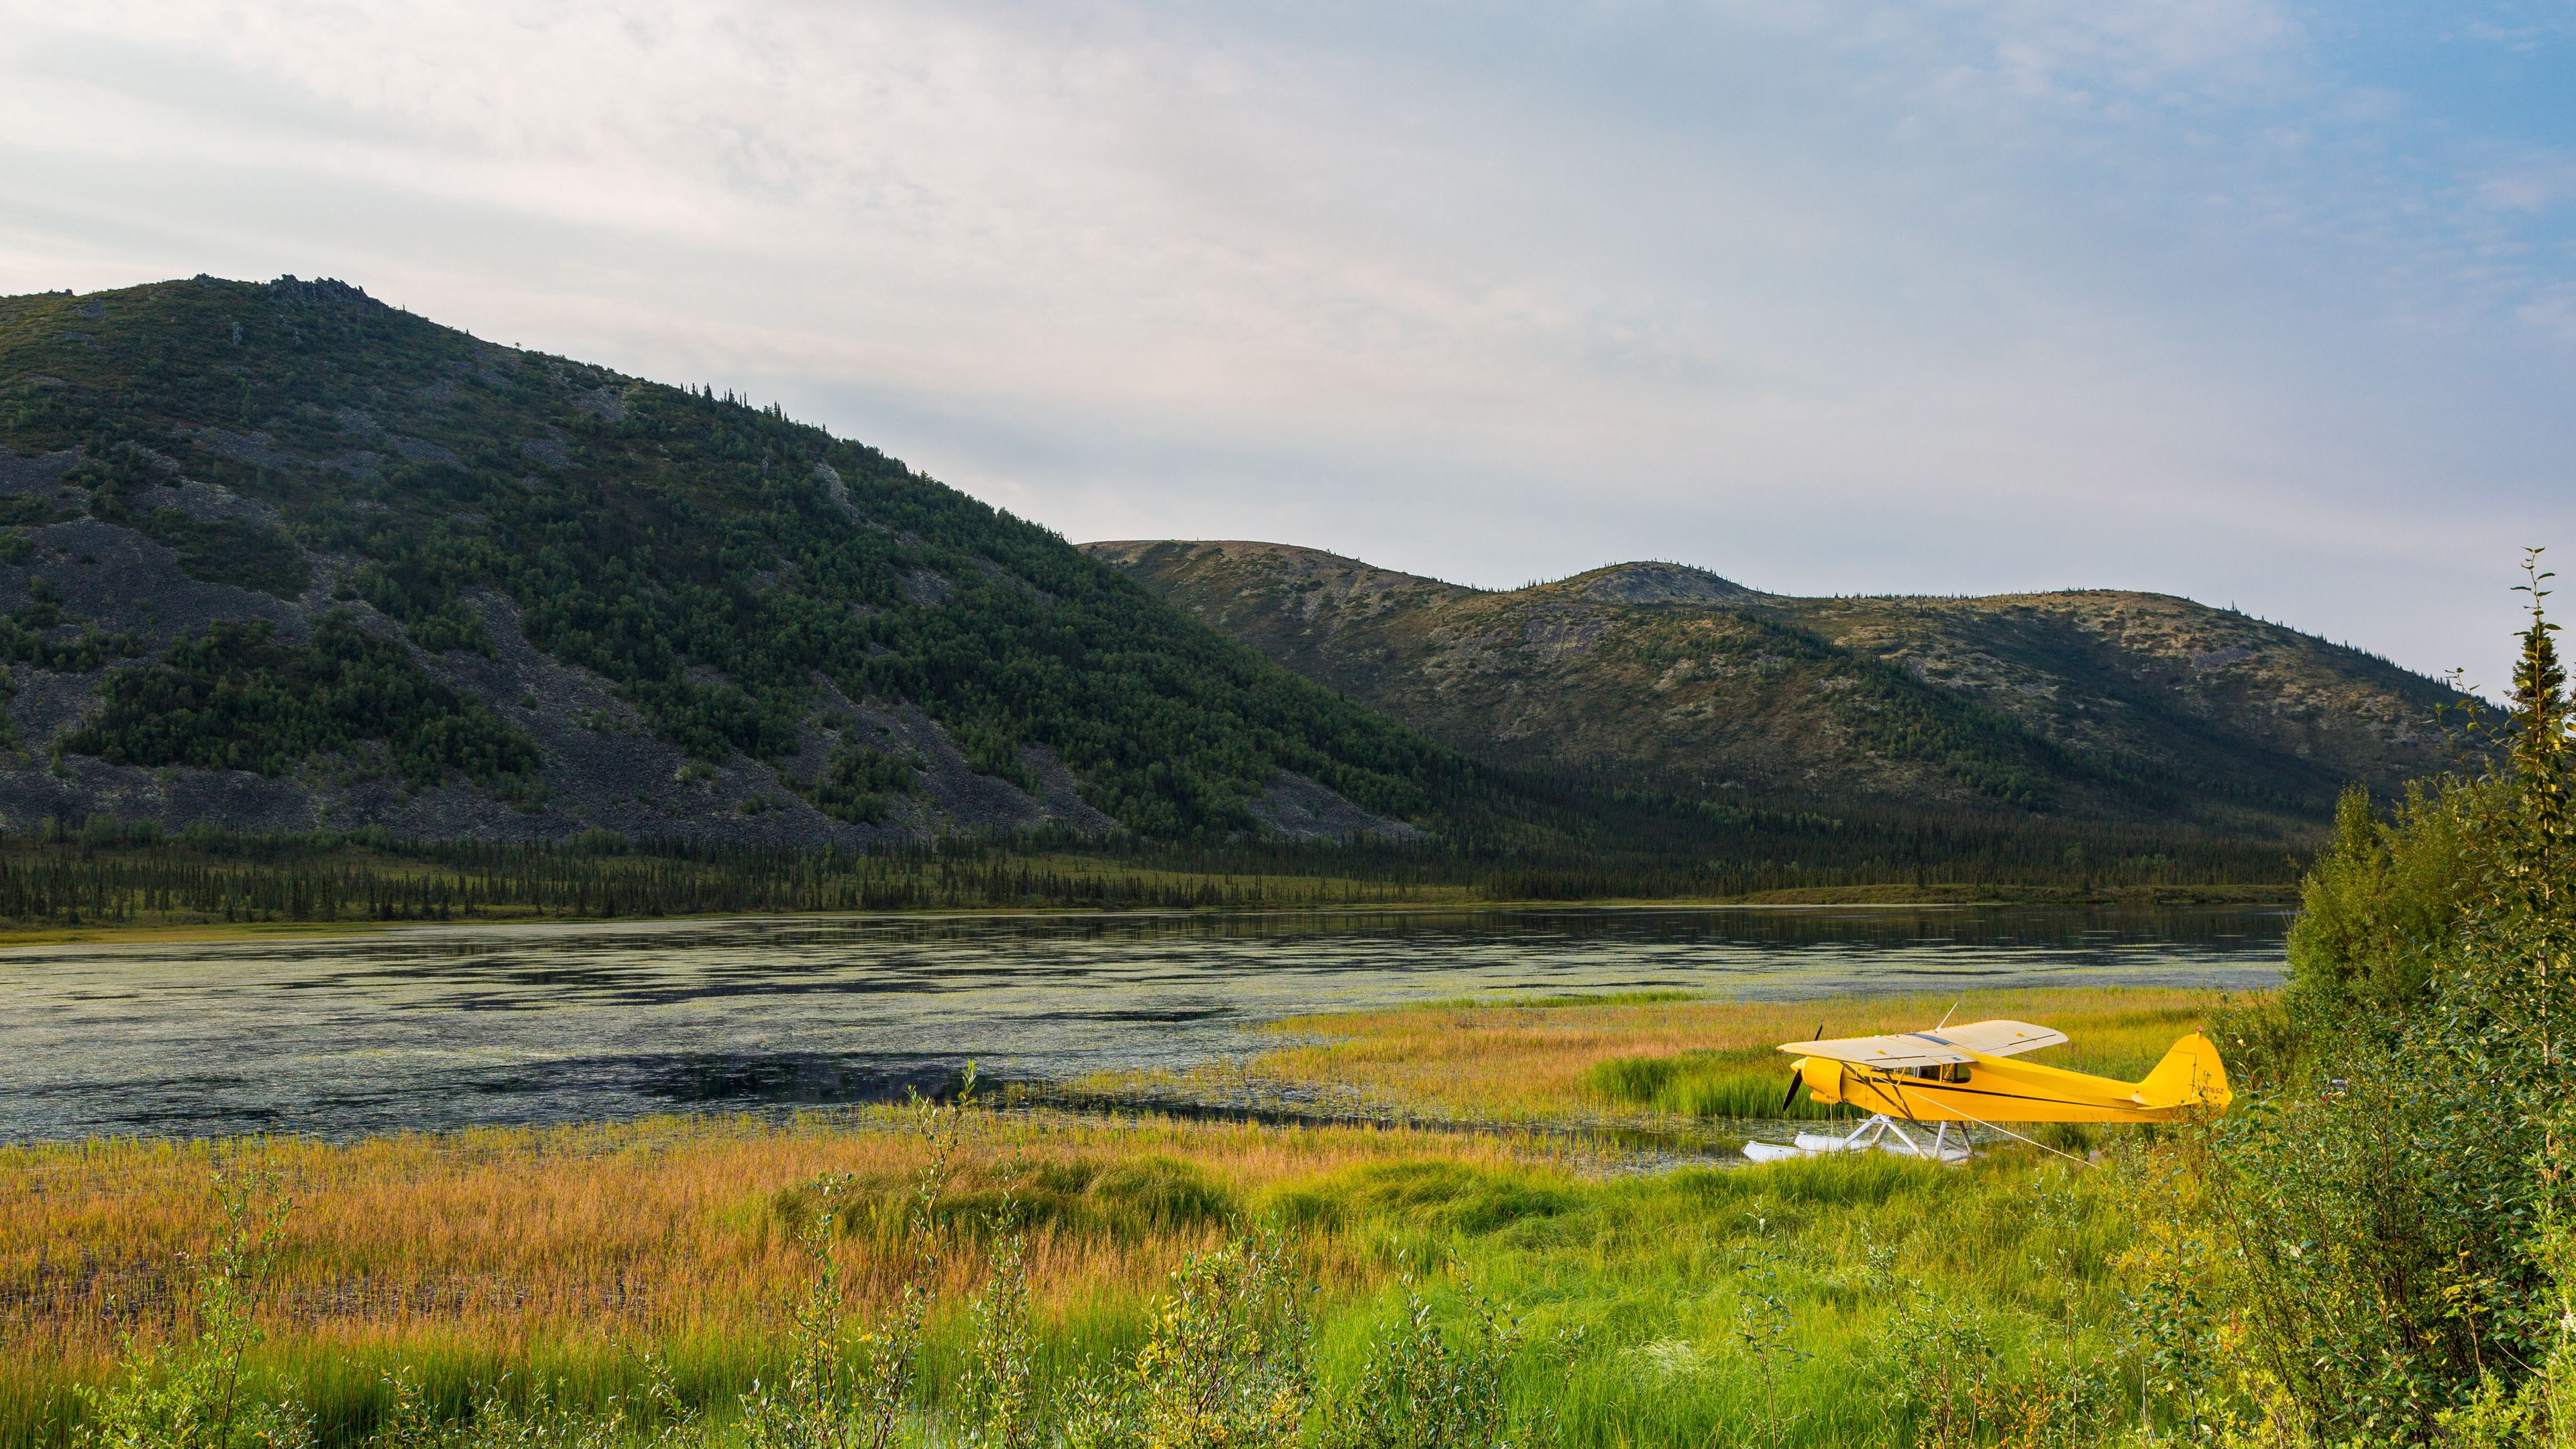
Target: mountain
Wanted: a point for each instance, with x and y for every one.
(2088, 703)
(281, 557)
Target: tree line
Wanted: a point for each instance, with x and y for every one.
(105, 872)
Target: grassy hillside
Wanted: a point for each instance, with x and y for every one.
(280, 557)
(2097, 704)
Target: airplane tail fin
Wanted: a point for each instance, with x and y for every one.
(2190, 1075)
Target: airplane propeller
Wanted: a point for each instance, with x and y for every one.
(1798, 1075)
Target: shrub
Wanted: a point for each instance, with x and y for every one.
(1227, 1360)
(2391, 1214)
(193, 1392)
(2377, 909)
(1417, 1389)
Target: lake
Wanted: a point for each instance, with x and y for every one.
(447, 1027)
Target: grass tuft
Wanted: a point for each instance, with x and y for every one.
(1706, 1084)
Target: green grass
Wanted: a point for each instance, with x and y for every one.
(1678, 1308)
(1869, 1253)
(1708, 1084)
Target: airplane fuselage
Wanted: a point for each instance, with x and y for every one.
(2001, 1089)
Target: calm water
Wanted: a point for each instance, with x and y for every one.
(461, 1026)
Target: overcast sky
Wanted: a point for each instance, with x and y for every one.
(2265, 304)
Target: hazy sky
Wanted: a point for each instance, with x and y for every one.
(2261, 303)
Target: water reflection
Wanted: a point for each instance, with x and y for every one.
(451, 1027)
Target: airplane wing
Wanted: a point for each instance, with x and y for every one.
(1997, 1038)
(1908, 1050)
(1931, 1048)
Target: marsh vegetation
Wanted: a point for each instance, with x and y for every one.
(2373, 1248)
(1015, 1277)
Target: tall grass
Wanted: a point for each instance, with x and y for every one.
(1612, 1059)
(1707, 1084)
(551, 1263)
(608, 1270)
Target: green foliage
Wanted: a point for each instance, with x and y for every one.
(2539, 1412)
(1707, 1084)
(21, 510)
(826, 1399)
(1226, 1362)
(1133, 1200)
(228, 551)
(1942, 1369)
(1886, 711)
(998, 1399)
(438, 624)
(844, 1391)
(1889, 1303)
(709, 558)
(1435, 1197)
(195, 1392)
(1765, 1325)
(26, 635)
(2170, 1297)
(2078, 703)
(1157, 1193)
(233, 697)
(861, 782)
(2381, 902)
(543, 1414)
(2392, 1215)
(211, 550)
(717, 562)
(1417, 1388)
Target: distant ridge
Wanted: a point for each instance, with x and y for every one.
(1656, 583)
(2093, 703)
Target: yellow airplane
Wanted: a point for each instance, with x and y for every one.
(1965, 1074)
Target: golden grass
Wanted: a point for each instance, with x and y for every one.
(672, 1229)
(1527, 1062)
(541, 1253)
(676, 1226)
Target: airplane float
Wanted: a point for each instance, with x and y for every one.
(1965, 1075)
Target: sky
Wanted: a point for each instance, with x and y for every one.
(2265, 304)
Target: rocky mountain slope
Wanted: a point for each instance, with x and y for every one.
(280, 557)
(2091, 703)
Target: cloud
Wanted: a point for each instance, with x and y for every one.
(1970, 295)
(2534, 185)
